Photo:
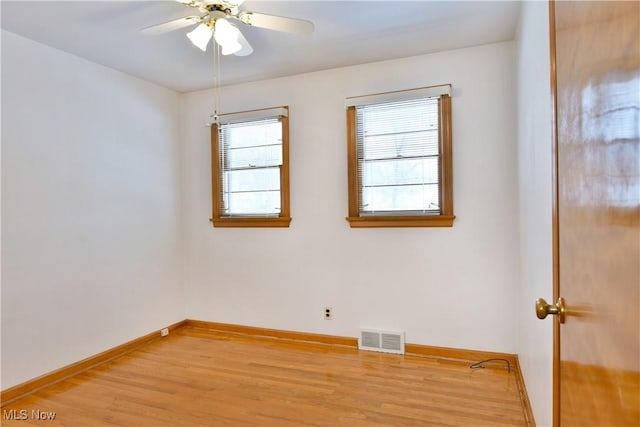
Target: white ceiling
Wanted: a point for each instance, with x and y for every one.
(346, 33)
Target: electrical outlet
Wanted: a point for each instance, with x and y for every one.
(164, 332)
(328, 313)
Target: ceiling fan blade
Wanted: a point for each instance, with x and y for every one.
(246, 47)
(175, 24)
(191, 3)
(278, 23)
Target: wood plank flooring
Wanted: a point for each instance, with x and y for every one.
(196, 377)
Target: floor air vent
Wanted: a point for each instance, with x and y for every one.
(384, 341)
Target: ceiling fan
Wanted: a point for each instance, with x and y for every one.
(217, 21)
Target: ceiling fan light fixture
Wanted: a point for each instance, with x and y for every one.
(200, 36)
(226, 35)
(230, 49)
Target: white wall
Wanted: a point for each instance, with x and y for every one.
(535, 344)
(444, 286)
(91, 242)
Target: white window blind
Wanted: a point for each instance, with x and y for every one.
(398, 156)
(250, 156)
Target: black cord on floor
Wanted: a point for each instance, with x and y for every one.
(478, 365)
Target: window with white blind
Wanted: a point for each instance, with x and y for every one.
(250, 165)
(400, 159)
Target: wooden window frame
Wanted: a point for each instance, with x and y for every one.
(283, 219)
(446, 217)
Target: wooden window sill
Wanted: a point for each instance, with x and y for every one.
(282, 222)
(401, 221)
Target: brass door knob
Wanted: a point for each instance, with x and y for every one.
(543, 309)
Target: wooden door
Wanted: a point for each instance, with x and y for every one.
(597, 212)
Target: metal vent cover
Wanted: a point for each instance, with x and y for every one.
(383, 341)
(370, 339)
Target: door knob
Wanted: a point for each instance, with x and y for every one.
(543, 309)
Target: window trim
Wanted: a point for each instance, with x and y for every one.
(445, 219)
(284, 218)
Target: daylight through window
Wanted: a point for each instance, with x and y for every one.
(400, 162)
(250, 179)
(398, 157)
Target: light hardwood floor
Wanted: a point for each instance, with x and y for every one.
(196, 377)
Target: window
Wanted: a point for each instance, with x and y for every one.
(250, 169)
(399, 159)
